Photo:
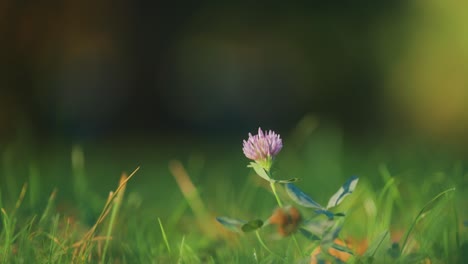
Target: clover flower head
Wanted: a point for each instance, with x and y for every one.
(263, 147)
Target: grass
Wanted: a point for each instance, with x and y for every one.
(404, 210)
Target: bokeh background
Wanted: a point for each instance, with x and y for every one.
(80, 70)
(92, 88)
(147, 78)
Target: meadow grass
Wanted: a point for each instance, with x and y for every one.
(404, 210)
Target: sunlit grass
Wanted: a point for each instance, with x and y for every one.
(409, 215)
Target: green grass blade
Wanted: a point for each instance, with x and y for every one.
(34, 186)
(49, 207)
(260, 240)
(7, 232)
(181, 248)
(110, 227)
(375, 245)
(164, 235)
(421, 212)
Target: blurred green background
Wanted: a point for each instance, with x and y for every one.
(89, 89)
(143, 82)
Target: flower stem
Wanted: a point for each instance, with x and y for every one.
(260, 240)
(297, 245)
(280, 204)
(273, 188)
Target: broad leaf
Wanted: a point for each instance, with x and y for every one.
(329, 239)
(300, 197)
(231, 223)
(288, 181)
(342, 248)
(317, 226)
(329, 214)
(329, 235)
(309, 235)
(344, 191)
(252, 225)
(259, 170)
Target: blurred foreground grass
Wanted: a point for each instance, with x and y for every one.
(166, 212)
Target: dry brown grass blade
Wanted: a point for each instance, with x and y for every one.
(122, 182)
(84, 243)
(56, 241)
(21, 196)
(122, 185)
(193, 198)
(94, 239)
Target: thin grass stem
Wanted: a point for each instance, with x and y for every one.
(181, 248)
(7, 228)
(297, 245)
(114, 212)
(164, 235)
(413, 224)
(260, 240)
(273, 188)
(280, 204)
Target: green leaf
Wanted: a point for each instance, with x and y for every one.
(330, 215)
(231, 223)
(344, 191)
(288, 181)
(259, 170)
(342, 248)
(317, 226)
(298, 196)
(309, 235)
(329, 236)
(252, 225)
